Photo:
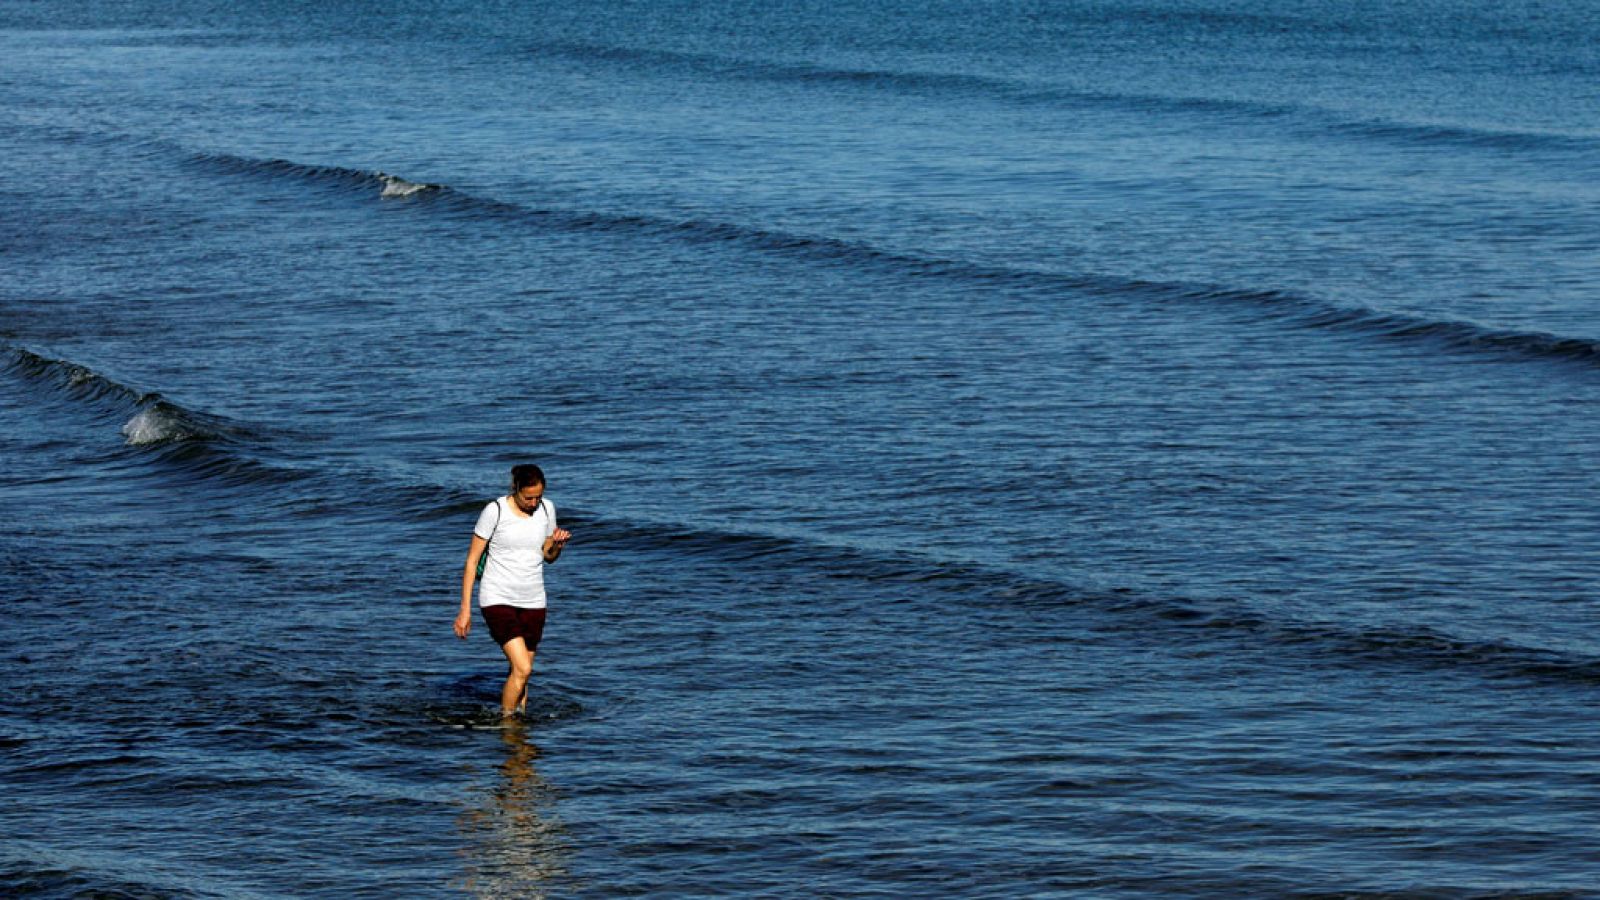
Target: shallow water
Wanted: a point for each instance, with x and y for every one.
(1080, 449)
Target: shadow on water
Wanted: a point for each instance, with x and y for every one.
(519, 846)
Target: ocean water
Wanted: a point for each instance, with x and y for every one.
(1104, 448)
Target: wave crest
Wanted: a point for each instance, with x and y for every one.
(395, 186)
(155, 425)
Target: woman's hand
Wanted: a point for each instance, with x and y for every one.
(554, 543)
(464, 624)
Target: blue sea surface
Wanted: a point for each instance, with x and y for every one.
(1113, 448)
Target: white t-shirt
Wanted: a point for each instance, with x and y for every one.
(514, 575)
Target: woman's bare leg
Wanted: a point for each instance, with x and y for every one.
(514, 696)
(522, 703)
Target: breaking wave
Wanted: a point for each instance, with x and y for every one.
(152, 419)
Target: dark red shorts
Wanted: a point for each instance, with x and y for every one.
(507, 622)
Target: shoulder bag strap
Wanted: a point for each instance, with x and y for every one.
(483, 559)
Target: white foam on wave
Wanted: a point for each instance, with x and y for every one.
(394, 186)
(153, 426)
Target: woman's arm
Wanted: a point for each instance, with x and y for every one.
(469, 577)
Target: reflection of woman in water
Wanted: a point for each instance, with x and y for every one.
(520, 534)
(520, 845)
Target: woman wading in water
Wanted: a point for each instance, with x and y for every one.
(519, 533)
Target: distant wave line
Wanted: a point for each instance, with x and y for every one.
(1290, 308)
(209, 448)
(969, 583)
(1318, 121)
(1293, 309)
